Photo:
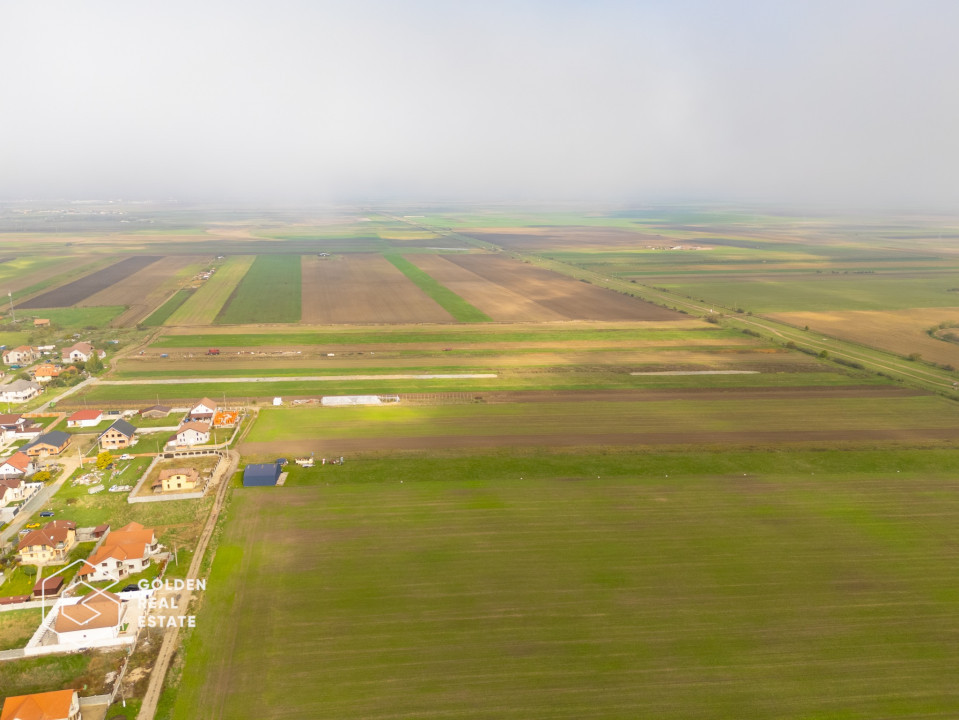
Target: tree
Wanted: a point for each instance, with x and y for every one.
(104, 460)
(94, 364)
(41, 476)
(28, 570)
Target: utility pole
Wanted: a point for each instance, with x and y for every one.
(12, 315)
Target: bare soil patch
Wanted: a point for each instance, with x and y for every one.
(75, 292)
(534, 239)
(569, 298)
(361, 288)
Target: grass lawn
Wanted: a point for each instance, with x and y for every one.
(17, 627)
(446, 298)
(202, 307)
(559, 594)
(276, 277)
(71, 318)
(85, 671)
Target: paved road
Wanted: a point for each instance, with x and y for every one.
(170, 637)
(66, 393)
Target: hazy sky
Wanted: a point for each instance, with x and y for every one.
(637, 101)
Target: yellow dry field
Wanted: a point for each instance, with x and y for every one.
(204, 305)
(363, 288)
(145, 290)
(898, 331)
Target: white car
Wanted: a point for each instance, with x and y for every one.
(126, 456)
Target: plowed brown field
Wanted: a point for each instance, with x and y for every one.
(144, 290)
(79, 290)
(512, 291)
(566, 238)
(363, 288)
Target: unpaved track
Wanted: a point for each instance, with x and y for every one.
(171, 636)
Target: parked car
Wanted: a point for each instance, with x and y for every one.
(47, 513)
(126, 456)
(32, 526)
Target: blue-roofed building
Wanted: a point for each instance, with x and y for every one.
(261, 474)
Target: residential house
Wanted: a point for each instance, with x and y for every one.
(55, 705)
(10, 423)
(46, 372)
(22, 355)
(85, 418)
(18, 465)
(19, 391)
(124, 552)
(118, 436)
(97, 616)
(51, 443)
(41, 322)
(176, 479)
(192, 433)
(49, 545)
(155, 411)
(81, 352)
(203, 410)
(14, 492)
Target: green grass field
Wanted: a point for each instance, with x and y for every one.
(474, 590)
(203, 306)
(162, 313)
(73, 318)
(456, 306)
(269, 293)
(451, 335)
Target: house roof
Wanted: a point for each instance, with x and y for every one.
(84, 347)
(49, 535)
(19, 460)
(156, 408)
(23, 348)
(11, 483)
(10, 419)
(206, 402)
(55, 438)
(99, 609)
(19, 386)
(127, 543)
(200, 427)
(85, 415)
(53, 705)
(189, 472)
(120, 426)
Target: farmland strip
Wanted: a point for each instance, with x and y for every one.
(79, 290)
(451, 302)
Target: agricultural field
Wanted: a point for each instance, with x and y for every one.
(204, 305)
(716, 417)
(363, 288)
(268, 293)
(903, 332)
(142, 291)
(579, 585)
(79, 290)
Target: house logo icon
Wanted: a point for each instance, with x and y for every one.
(92, 613)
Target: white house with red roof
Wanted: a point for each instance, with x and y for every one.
(203, 410)
(18, 465)
(85, 418)
(81, 352)
(124, 552)
(97, 616)
(22, 355)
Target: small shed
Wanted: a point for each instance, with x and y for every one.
(261, 474)
(48, 587)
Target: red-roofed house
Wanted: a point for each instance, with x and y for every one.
(49, 545)
(81, 352)
(124, 552)
(17, 465)
(46, 372)
(85, 418)
(22, 355)
(203, 410)
(56, 705)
